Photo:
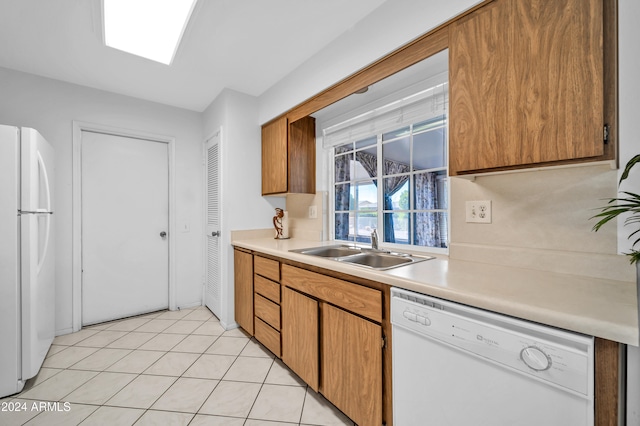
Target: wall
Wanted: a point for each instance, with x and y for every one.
(243, 206)
(629, 63)
(50, 106)
(629, 93)
(394, 23)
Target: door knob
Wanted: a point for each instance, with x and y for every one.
(163, 234)
(215, 234)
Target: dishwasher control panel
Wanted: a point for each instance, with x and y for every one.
(559, 357)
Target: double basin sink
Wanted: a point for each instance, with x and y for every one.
(369, 258)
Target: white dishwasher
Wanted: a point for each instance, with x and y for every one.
(454, 365)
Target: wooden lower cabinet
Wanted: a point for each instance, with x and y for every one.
(331, 339)
(266, 303)
(267, 311)
(332, 332)
(300, 335)
(243, 289)
(352, 365)
(268, 336)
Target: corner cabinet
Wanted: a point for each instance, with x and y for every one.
(527, 85)
(289, 156)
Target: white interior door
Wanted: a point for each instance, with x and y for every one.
(125, 222)
(212, 226)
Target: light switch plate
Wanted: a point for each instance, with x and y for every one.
(478, 211)
(313, 212)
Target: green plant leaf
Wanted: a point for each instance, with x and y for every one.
(628, 167)
(629, 203)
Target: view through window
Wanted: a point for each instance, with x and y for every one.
(396, 182)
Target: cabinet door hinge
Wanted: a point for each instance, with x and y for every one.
(384, 342)
(605, 133)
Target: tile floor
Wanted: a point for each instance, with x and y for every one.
(165, 368)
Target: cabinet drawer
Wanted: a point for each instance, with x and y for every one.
(267, 268)
(269, 337)
(352, 297)
(268, 311)
(267, 288)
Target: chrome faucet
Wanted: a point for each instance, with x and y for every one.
(374, 239)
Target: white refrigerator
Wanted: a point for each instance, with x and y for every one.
(27, 267)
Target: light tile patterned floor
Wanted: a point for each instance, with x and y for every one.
(165, 368)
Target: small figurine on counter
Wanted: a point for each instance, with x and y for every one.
(280, 222)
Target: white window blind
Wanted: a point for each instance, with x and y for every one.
(424, 104)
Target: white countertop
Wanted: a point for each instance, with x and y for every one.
(593, 306)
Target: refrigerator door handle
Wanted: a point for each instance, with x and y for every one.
(47, 208)
(21, 212)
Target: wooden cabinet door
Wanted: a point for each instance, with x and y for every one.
(274, 157)
(526, 81)
(302, 156)
(352, 365)
(243, 289)
(300, 328)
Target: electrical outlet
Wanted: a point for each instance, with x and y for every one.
(478, 211)
(313, 212)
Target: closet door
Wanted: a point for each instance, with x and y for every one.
(212, 225)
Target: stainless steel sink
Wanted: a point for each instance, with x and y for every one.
(330, 251)
(382, 261)
(368, 258)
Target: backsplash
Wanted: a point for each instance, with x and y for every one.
(541, 220)
(300, 225)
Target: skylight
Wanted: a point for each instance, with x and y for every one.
(148, 28)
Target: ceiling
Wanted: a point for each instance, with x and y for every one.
(244, 45)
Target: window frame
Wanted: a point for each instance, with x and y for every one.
(380, 211)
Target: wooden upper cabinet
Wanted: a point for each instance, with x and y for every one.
(274, 157)
(289, 156)
(527, 85)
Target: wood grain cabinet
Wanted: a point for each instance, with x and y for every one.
(332, 338)
(243, 289)
(527, 85)
(300, 336)
(289, 156)
(266, 297)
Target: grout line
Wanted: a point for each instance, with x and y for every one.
(176, 378)
(304, 401)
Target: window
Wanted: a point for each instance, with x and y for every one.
(395, 181)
